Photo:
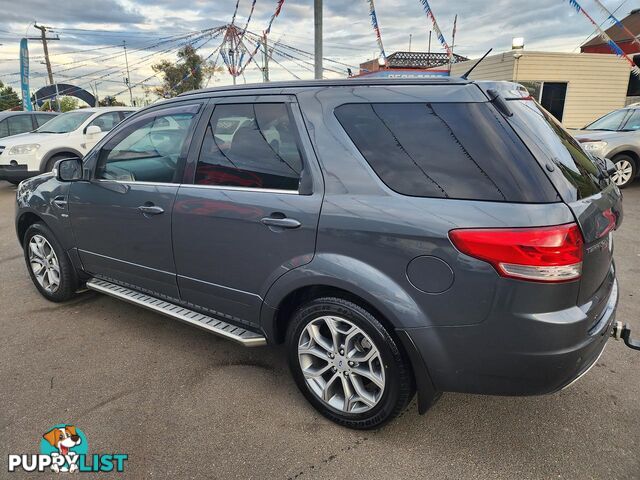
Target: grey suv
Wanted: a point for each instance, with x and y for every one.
(397, 235)
(615, 136)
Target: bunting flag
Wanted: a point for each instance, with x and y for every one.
(617, 22)
(603, 35)
(275, 15)
(436, 28)
(376, 29)
(246, 25)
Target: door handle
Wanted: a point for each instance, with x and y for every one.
(60, 201)
(150, 209)
(281, 222)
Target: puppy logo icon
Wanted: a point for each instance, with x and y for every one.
(65, 441)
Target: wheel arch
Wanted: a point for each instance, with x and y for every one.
(59, 151)
(24, 221)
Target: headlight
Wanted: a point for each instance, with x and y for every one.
(24, 149)
(594, 146)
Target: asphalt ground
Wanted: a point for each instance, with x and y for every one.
(185, 404)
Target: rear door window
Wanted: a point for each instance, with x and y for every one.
(250, 146)
(445, 150)
(20, 124)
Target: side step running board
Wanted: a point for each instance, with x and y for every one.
(213, 325)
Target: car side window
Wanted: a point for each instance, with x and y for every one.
(250, 146)
(149, 150)
(4, 128)
(633, 124)
(20, 124)
(42, 119)
(106, 121)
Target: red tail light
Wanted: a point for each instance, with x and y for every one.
(542, 254)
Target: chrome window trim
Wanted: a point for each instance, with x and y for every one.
(190, 185)
(242, 189)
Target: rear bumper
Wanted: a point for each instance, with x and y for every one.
(528, 355)
(16, 173)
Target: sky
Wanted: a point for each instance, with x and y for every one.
(91, 32)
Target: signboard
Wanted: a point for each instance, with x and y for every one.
(390, 73)
(24, 75)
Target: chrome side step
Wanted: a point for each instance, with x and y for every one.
(213, 325)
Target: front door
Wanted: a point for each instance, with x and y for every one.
(121, 218)
(252, 211)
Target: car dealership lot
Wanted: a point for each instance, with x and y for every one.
(181, 402)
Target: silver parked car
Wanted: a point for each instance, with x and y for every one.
(616, 136)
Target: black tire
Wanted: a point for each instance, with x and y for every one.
(399, 384)
(619, 159)
(14, 182)
(59, 156)
(68, 277)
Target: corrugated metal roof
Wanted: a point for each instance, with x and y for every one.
(617, 34)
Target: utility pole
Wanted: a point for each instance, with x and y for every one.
(128, 79)
(265, 66)
(429, 51)
(43, 37)
(317, 17)
(410, 35)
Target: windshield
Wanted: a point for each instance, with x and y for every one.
(610, 122)
(65, 123)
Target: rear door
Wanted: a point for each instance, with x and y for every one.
(251, 212)
(593, 198)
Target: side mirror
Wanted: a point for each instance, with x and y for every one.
(68, 170)
(93, 131)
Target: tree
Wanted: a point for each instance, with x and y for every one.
(110, 101)
(8, 97)
(68, 103)
(188, 73)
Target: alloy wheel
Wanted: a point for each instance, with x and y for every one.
(623, 172)
(44, 263)
(341, 364)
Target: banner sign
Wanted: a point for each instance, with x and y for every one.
(24, 75)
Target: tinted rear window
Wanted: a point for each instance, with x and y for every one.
(445, 150)
(541, 131)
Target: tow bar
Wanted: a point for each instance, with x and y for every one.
(624, 333)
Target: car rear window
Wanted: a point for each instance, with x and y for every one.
(542, 132)
(445, 150)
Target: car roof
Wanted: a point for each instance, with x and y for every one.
(345, 82)
(12, 113)
(103, 109)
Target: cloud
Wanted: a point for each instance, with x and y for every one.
(348, 36)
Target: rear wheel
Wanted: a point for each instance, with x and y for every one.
(625, 170)
(49, 266)
(347, 365)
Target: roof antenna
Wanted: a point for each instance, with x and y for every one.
(468, 72)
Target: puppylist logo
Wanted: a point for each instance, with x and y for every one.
(64, 448)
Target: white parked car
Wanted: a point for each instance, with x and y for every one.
(71, 134)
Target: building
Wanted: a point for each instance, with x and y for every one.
(618, 35)
(626, 43)
(576, 88)
(409, 64)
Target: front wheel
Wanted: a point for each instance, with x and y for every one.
(625, 170)
(49, 266)
(347, 365)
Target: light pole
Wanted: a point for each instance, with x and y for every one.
(517, 46)
(317, 24)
